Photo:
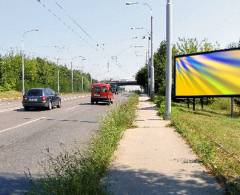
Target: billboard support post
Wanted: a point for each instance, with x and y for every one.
(188, 103)
(232, 106)
(202, 103)
(194, 104)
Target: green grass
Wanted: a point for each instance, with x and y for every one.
(82, 172)
(10, 95)
(214, 136)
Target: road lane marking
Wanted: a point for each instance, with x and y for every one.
(20, 125)
(71, 108)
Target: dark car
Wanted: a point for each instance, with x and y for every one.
(41, 98)
(114, 88)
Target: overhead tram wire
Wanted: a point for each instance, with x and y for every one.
(64, 23)
(79, 26)
(75, 22)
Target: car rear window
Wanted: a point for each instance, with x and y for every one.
(104, 89)
(35, 92)
(97, 89)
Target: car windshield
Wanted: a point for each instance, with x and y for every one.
(35, 92)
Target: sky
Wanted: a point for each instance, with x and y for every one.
(100, 30)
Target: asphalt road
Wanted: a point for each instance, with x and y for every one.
(25, 136)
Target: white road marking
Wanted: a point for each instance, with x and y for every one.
(71, 108)
(20, 125)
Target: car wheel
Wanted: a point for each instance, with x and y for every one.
(49, 105)
(109, 101)
(59, 104)
(96, 102)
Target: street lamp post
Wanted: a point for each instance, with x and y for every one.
(169, 61)
(151, 65)
(58, 77)
(58, 71)
(148, 58)
(72, 76)
(23, 56)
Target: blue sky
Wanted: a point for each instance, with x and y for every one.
(108, 22)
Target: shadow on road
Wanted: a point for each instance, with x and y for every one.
(89, 104)
(148, 108)
(127, 181)
(31, 110)
(70, 120)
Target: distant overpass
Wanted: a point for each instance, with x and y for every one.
(123, 83)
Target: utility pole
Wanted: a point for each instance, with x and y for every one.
(147, 72)
(151, 80)
(108, 66)
(148, 66)
(72, 76)
(152, 65)
(169, 62)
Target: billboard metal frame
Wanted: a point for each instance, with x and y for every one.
(193, 54)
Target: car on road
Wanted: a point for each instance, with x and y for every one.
(114, 88)
(41, 98)
(101, 92)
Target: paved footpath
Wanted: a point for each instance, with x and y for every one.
(154, 159)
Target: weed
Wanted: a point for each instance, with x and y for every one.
(81, 172)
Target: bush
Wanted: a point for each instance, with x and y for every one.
(81, 172)
(160, 102)
(221, 104)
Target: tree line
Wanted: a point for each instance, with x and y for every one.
(39, 72)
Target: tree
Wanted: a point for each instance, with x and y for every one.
(192, 45)
(39, 72)
(159, 67)
(141, 77)
(234, 44)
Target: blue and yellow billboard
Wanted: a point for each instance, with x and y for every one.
(207, 74)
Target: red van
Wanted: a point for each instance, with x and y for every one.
(101, 92)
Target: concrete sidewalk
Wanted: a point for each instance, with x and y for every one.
(154, 159)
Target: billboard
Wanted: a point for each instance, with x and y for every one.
(208, 74)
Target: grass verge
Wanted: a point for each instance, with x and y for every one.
(214, 136)
(81, 172)
(10, 95)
